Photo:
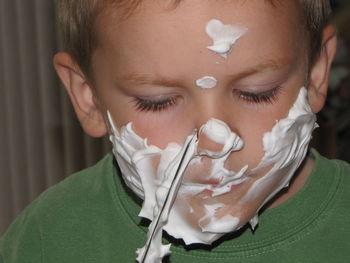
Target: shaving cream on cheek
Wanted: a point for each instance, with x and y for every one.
(157, 186)
(223, 36)
(285, 148)
(153, 184)
(222, 225)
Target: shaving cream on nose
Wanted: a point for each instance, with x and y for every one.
(219, 132)
(223, 36)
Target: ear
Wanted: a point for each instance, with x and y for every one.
(319, 75)
(81, 95)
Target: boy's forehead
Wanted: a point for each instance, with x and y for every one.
(151, 12)
(127, 7)
(154, 30)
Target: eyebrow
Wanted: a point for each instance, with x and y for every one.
(148, 79)
(273, 64)
(145, 79)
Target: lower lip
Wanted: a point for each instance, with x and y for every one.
(210, 181)
(233, 189)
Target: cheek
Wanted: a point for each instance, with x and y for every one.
(159, 128)
(161, 131)
(252, 133)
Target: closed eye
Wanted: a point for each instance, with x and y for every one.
(266, 97)
(156, 105)
(159, 103)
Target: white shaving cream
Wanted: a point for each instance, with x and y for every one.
(285, 147)
(223, 36)
(153, 184)
(135, 158)
(223, 225)
(206, 82)
(178, 226)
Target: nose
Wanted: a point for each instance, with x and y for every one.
(215, 139)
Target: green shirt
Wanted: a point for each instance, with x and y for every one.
(92, 217)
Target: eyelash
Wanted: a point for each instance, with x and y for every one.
(154, 105)
(267, 97)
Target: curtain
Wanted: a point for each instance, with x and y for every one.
(41, 141)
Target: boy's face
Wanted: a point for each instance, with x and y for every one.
(146, 67)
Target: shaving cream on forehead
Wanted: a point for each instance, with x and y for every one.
(223, 36)
(206, 82)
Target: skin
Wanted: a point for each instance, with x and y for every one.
(158, 53)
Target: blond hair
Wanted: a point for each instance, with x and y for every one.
(77, 22)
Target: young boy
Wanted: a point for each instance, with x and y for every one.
(210, 123)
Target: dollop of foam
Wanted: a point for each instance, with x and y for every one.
(206, 82)
(219, 132)
(223, 36)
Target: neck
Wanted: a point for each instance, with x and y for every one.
(296, 184)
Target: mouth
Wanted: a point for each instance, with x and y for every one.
(214, 186)
(211, 181)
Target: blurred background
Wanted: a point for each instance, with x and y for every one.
(41, 141)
